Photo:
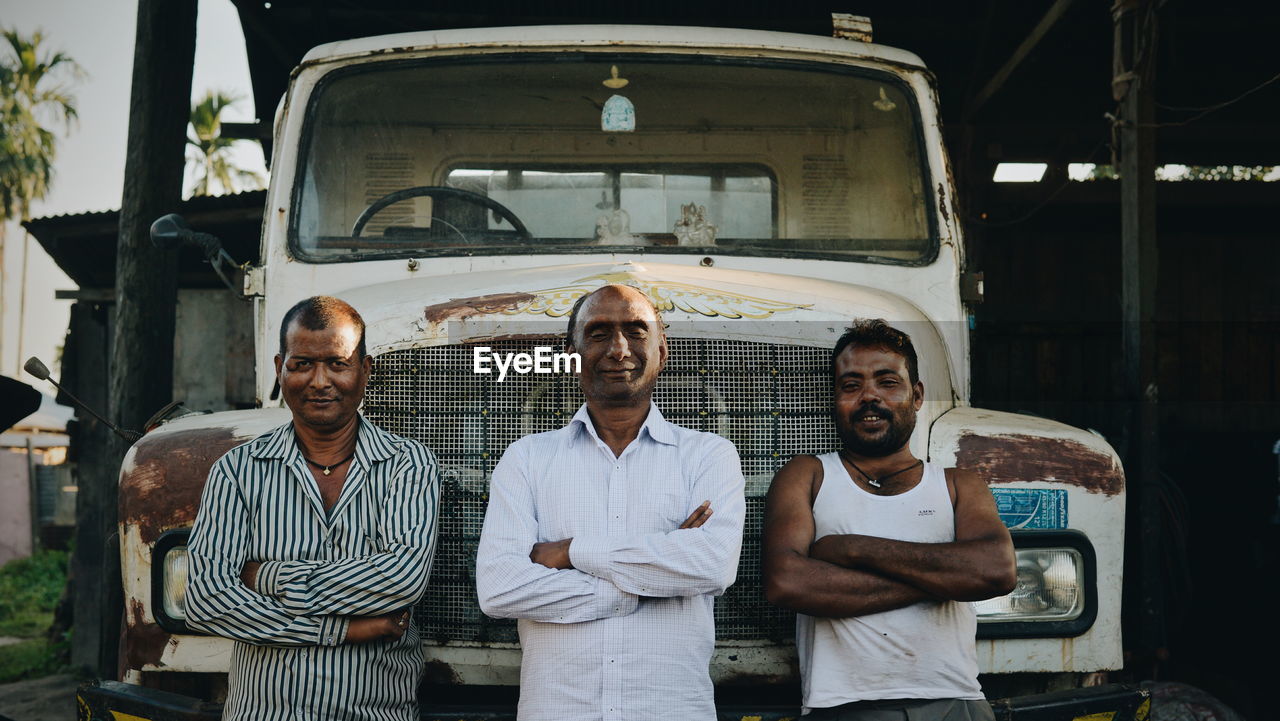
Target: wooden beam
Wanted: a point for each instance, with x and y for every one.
(1135, 38)
(86, 373)
(146, 276)
(89, 295)
(1028, 44)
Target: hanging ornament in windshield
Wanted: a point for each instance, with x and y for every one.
(618, 114)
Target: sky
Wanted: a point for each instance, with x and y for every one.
(89, 169)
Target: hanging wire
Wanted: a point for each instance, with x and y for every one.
(1205, 110)
(1038, 206)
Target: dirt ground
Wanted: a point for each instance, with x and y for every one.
(52, 698)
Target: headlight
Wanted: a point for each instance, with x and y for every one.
(1050, 588)
(169, 581)
(175, 583)
(1055, 595)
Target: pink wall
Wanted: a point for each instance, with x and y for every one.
(15, 507)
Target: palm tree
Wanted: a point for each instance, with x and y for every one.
(30, 95)
(210, 153)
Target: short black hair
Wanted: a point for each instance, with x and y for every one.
(582, 299)
(875, 333)
(573, 317)
(320, 312)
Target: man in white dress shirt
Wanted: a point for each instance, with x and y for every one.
(609, 538)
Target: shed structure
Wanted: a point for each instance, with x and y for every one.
(1147, 311)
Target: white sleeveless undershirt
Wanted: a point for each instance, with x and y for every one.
(923, 651)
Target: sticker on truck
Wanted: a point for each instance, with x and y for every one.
(1032, 507)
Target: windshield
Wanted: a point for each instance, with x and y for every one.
(572, 153)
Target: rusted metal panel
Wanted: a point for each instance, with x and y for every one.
(460, 308)
(144, 641)
(163, 487)
(163, 475)
(160, 485)
(1012, 448)
(1027, 452)
(1013, 458)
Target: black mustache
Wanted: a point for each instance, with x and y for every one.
(876, 409)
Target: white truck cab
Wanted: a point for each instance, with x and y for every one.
(463, 188)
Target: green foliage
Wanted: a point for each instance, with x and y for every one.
(31, 96)
(32, 658)
(210, 153)
(29, 591)
(1103, 172)
(1218, 172)
(1197, 173)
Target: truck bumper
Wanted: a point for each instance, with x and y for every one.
(1113, 702)
(116, 701)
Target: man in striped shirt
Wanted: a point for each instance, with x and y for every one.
(601, 539)
(313, 542)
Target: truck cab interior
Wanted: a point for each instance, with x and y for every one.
(574, 151)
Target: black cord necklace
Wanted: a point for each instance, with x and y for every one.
(329, 468)
(877, 481)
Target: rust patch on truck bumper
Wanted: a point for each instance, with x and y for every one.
(144, 641)
(460, 308)
(1013, 458)
(162, 488)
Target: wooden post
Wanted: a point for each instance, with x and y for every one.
(85, 372)
(1134, 87)
(146, 276)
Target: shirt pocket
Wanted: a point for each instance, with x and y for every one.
(669, 510)
(357, 534)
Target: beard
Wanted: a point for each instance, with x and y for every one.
(900, 425)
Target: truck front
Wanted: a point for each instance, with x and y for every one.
(463, 188)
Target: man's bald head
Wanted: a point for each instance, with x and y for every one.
(317, 313)
(615, 288)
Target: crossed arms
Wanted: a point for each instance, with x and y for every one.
(839, 576)
(307, 602)
(588, 578)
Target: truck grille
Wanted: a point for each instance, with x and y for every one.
(770, 400)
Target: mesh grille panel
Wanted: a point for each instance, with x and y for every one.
(769, 400)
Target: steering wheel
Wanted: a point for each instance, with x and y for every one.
(439, 191)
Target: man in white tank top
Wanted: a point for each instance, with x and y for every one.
(881, 553)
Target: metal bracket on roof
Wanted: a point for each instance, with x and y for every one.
(851, 27)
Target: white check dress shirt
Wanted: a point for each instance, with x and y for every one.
(368, 555)
(628, 633)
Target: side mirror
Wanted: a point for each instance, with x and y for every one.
(172, 231)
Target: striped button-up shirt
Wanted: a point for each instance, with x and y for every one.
(368, 555)
(628, 632)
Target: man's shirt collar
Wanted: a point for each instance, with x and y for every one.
(372, 444)
(655, 425)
